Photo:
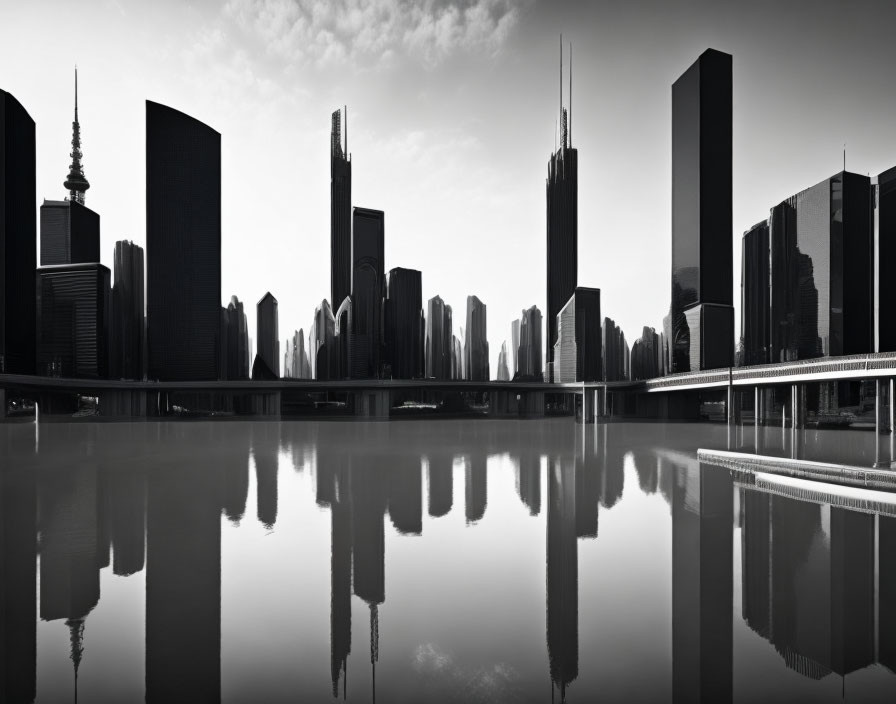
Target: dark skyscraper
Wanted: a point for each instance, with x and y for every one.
(340, 212)
(18, 225)
(235, 335)
(368, 291)
(562, 222)
(476, 361)
(183, 246)
(69, 233)
(128, 342)
(647, 355)
(886, 239)
(754, 296)
(702, 314)
(267, 338)
(404, 326)
(73, 321)
(577, 353)
(615, 351)
(438, 339)
(528, 352)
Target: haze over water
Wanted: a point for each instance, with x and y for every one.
(432, 561)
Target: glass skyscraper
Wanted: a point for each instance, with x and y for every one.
(754, 296)
(368, 291)
(404, 326)
(69, 233)
(340, 211)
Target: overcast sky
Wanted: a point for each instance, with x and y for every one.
(452, 110)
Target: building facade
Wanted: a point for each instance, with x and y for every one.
(615, 351)
(438, 343)
(69, 233)
(268, 337)
(128, 327)
(476, 360)
(368, 291)
(340, 211)
(404, 324)
(753, 347)
(529, 347)
(577, 353)
(235, 337)
(885, 224)
(183, 246)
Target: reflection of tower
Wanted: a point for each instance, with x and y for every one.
(588, 473)
(341, 575)
(562, 575)
(234, 468)
(886, 649)
(123, 516)
(528, 481)
(265, 452)
(702, 521)
(406, 495)
(441, 484)
(183, 583)
(476, 487)
(18, 572)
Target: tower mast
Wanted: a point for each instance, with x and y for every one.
(76, 183)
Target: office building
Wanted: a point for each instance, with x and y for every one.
(183, 246)
(577, 353)
(647, 355)
(503, 370)
(615, 351)
(404, 323)
(562, 222)
(340, 211)
(753, 347)
(438, 343)
(702, 315)
(267, 359)
(885, 223)
(69, 233)
(457, 358)
(128, 328)
(528, 353)
(323, 352)
(476, 361)
(368, 291)
(18, 225)
(235, 338)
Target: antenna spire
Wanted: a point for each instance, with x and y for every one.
(76, 183)
(570, 94)
(345, 107)
(561, 75)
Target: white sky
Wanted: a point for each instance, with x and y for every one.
(452, 108)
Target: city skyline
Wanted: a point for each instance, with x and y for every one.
(405, 167)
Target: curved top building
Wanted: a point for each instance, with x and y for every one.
(183, 245)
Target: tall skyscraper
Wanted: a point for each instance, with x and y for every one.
(577, 353)
(404, 325)
(323, 353)
(503, 371)
(702, 315)
(529, 346)
(562, 221)
(340, 211)
(647, 355)
(18, 226)
(128, 343)
(267, 360)
(235, 334)
(615, 351)
(886, 255)
(183, 246)
(69, 233)
(476, 361)
(438, 346)
(368, 291)
(753, 347)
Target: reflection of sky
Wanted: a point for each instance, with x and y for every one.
(464, 615)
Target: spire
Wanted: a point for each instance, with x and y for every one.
(76, 183)
(570, 94)
(76, 636)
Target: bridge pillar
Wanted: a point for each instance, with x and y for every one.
(589, 406)
(373, 403)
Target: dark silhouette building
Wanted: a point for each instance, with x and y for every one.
(562, 222)
(69, 233)
(476, 361)
(527, 355)
(235, 341)
(343, 337)
(886, 255)
(183, 246)
(340, 211)
(368, 291)
(438, 344)
(73, 311)
(404, 323)
(647, 355)
(267, 337)
(702, 315)
(18, 225)
(324, 350)
(128, 330)
(755, 289)
(615, 357)
(577, 352)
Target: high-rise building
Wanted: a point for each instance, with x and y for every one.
(344, 339)
(340, 211)
(323, 352)
(267, 360)
(404, 324)
(702, 315)
(457, 358)
(615, 351)
(885, 222)
(438, 343)
(296, 359)
(821, 245)
(562, 221)
(69, 233)
(368, 291)
(515, 344)
(18, 225)
(528, 354)
(577, 353)
(235, 334)
(476, 362)
(503, 371)
(128, 328)
(183, 246)
(753, 347)
(73, 302)
(647, 355)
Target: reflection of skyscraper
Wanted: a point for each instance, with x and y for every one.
(340, 573)
(886, 652)
(340, 211)
(702, 315)
(440, 473)
(587, 490)
(406, 495)
(368, 291)
(476, 487)
(124, 512)
(234, 468)
(266, 454)
(562, 575)
(183, 246)
(528, 481)
(702, 521)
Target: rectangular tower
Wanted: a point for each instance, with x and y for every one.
(69, 233)
(368, 291)
(577, 353)
(702, 314)
(886, 255)
(128, 342)
(183, 246)
(754, 296)
(404, 323)
(340, 213)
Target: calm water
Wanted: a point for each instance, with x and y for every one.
(428, 561)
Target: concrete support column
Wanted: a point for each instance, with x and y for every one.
(589, 406)
(731, 415)
(878, 421)
(798, 419)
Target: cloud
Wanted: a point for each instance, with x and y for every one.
(371, 32)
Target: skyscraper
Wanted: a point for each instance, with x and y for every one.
(702, 315)
(404, 326)
(754, 296)
(528, 353)
(647, 355)
(503, 371)
(368, 291)
(562, 221)
(69, 233)
(476, 362)
(267, 360)
(886, 239)
(577, 353)
(183, 245)
(615, 351)
(128, 342)
(340, 211)
(235, 333)
(18, 225)
(323, 353)
(515, 345)
(438, 345)
(344, 339)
